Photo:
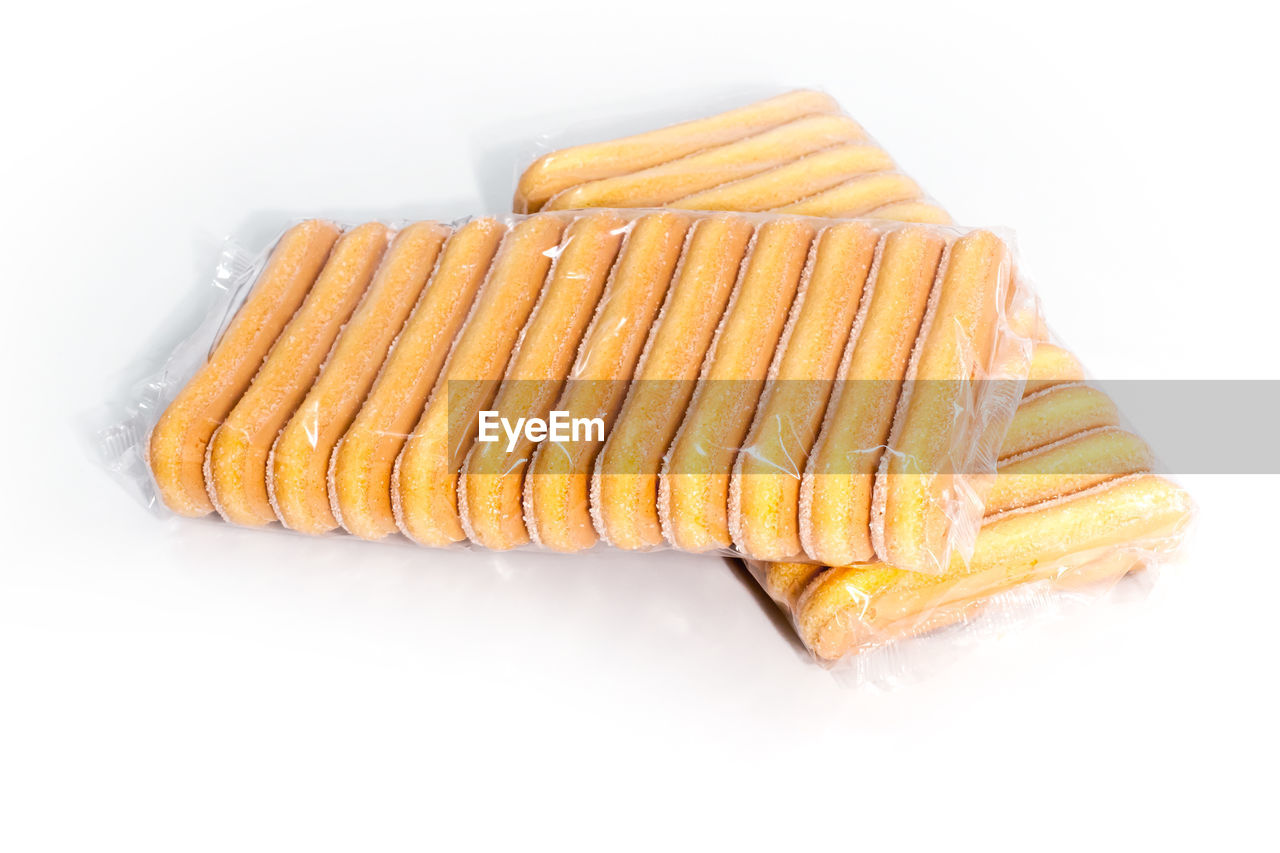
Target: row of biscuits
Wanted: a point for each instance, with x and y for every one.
(795, 153)
(1072, 488)
(1074, 503)
(347, 389)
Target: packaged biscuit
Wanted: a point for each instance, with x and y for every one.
(1074, 507)
(1073, 510)
(794, 153)
(635, 378)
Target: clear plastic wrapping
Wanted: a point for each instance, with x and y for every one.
(663, 348)
(640, 378)
(796, 152)
(1074, 507)
(1074, 510)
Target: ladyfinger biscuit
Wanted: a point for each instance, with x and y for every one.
(920, 475)
(1023, 314)
(237, 461)
(858, 196)
(569, 167)
(785, 582)
(663, 184)
(793, 181)
(849, 608)
(693, 489)
(360, 467)
(556, 491)
(424, 490)
(1108, 568)
(836, 489)
(1051, 365)
(176, 447)
(299, 464)
(764, 491)
(1072, 464)
(491, 484)
(624, 483)
(911, 211)
(1055, 413)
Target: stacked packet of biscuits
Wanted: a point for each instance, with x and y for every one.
(748, 334)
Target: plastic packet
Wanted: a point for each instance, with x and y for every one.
(1073, 492)
(1074, 510)
(122, 442)
(566, 378)
(796, 152)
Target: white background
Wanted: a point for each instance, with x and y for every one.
(175, 685)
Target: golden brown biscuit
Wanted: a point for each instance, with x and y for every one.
(1055, 413)
(858, 196)
(556, 491)
(425, 479)
(1051, 365)
(1069, 465)
(836, 489)
(237, 461)
(176, 447)
(792, 181)
(569, 167)
(624, 482)
(918, 481)
(693, 489)
(360, 467)
(785, 582)
(852, 608)
(764, 493)
(663, 184)
(491, 485)
(299, 465)
(911, 211)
